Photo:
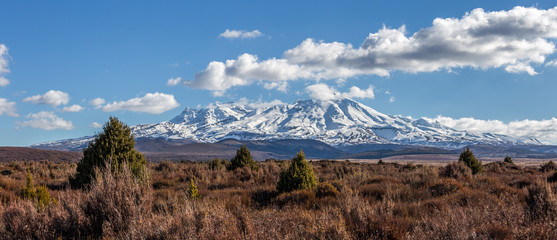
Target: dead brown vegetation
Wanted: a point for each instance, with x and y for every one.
(352, 201)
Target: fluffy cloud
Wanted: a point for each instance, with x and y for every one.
(4, 65)
(232, 34)
(543, 130)
(322, 91)
(72, 108)
(513, 40)
(153, 103)
(219, 76)
(95, 125)
(173, 81)
(47, 121)
(52, 97)
(97, 102)
(7, 107)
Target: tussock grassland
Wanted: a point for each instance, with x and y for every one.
(352, 201)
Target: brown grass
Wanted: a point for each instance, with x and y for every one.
(352, 201)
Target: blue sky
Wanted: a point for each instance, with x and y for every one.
(59, 56)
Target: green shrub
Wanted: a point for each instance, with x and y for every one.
(299, 175)
(39, 195)
(115, 145)
(468, 158)
(508, 160)
(28, 191)
(242, 159)
(192, 190)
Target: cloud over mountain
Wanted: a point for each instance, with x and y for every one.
(514, 40)
(322, 91)
(47, 121)
(543, 130)
(153, 103)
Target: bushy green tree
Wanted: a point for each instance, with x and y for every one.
(243, 158)
(114, 145)
(508, 159)
(299, 175)
(468, 158)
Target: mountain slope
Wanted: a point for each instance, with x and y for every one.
(337, 123)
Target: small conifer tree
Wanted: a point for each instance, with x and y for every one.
(243, 158)
(115, 145)
(508, 160)
(299, 175)
(192, 190)
(39, 195)
(470, 160)
(28, 191)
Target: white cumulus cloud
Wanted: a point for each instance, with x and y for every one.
(513, 40)
(4, 65)
(95, 125)
(173, 81)
(322, 91)
(232, 34)
(153, 103)
(52, 97)
(72, 108)
(543, 130)
(8, 108)
(47, 121)
(97, 102)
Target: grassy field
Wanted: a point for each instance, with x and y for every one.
(354, 200)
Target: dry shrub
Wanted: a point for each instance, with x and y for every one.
(302, 198)
(552, 178)
(373, 192)
(456, 170)
(445, 187)
(497, 231)
(116, 204)
(422, 177)
(243, 174)
(548, 166)
(326, 190)
(162, 184)
(166, 166)
(521, 182)
(542, 205)
(383, 180)
(263, 197)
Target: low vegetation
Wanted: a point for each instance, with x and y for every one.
(345, 200)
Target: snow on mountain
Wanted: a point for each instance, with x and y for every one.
(336, 122)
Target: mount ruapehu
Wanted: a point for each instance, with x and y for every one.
(341, 128)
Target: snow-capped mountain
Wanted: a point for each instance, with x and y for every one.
(337, 123)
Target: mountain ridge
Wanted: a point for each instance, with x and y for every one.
(344, 124)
